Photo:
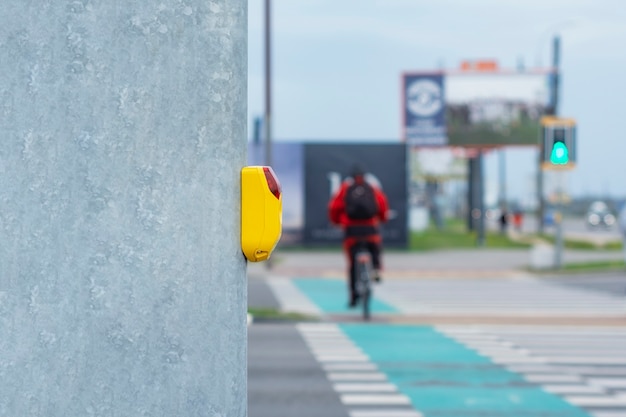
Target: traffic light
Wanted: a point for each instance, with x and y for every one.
(560, 153)
(559, 142)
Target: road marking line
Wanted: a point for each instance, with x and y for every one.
(608, 414)
(371, 387)
(290, 297)
(341, 350)
(604, 360)
(543, 378)
(508, 360)
(501, 352)
(356, 376)
(585, 401)
(387, 413)
(325, 335)
(319, 328)
(326, 340)
(369, 399)
(335, 352)
(336, 349)
(532, 368)
(342, 358)
(574, 369)
(349, 367)
(608, 382)
(573, 389)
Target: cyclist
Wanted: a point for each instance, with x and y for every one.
(360, 219)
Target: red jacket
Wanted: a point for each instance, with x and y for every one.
(337, 210)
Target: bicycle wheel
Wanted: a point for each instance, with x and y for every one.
(366, 304)
(364, 288)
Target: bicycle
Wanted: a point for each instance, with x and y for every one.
(363, 270)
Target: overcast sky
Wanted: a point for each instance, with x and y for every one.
(337, 67)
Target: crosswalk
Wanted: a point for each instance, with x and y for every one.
(578, 371)
(585, 366)
(362, 388)
(522, 296)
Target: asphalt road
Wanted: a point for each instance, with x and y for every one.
(573, 228)
(613, 283)
(284, 379)
(547, 369)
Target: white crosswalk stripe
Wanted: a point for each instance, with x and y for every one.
(361, 387)
(358, 383)
(529, 297)
(290, 297)
(385, 413)
(585, 366)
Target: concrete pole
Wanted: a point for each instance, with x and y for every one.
(122, 283)
(553, 110)
(480, 199)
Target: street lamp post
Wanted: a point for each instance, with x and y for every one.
(268, 84)
(268, 93)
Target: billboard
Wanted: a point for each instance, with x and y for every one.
(486, 108)
(310, 172)
(327, 165)
(424, 110)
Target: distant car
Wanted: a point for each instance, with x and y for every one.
(599, 216)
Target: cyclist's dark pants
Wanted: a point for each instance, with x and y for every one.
(374, 249)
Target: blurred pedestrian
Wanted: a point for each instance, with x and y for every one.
(622, 227)
(504, 221)
(518, 217)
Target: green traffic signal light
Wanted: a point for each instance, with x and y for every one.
(558, 147)
(560, 154)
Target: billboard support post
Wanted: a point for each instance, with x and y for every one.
(502, 167)
(558, 140)
(476, 197)
(470, 194)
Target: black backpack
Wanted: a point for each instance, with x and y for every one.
(361, 202)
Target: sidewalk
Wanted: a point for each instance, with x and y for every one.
(471, 263)
(421, 272)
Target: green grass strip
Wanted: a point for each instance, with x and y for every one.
(273, 314)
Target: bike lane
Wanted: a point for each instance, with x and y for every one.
(331, 296)
(442, 377)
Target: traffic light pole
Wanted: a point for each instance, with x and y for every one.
(558, 140)
(558, 221)
(552, 111)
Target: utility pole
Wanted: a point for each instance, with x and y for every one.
(268, 93)
(268, 82)
(502, 169)
(122, 280)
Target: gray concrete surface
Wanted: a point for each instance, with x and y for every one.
(471, 263)
(284, 379)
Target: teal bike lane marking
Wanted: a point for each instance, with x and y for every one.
(443, 378)
(331, 296)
